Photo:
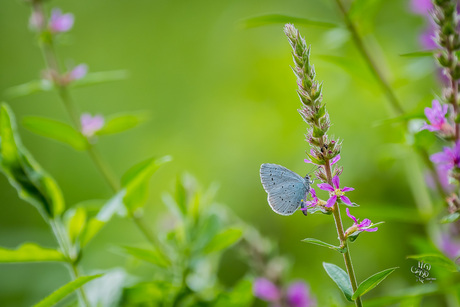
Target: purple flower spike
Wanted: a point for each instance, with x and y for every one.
(436, 115)
(78, 72)
(421, 7)
(448, 158)
(335, 191)
(363, 226)
(91, 124)
(60, 22)
(266, 290)
(298, 295)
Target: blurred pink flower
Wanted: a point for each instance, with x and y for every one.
(298, 295)
(450, 247)
(363, 226)
(78, 72)
(427, 39)
(448, 158)
(421, 7)
(91, 124)
(436, 115)
(443, 176)
(60, 22)
(266, 290)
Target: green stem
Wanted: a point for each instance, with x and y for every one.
(343, 239)
(369, 61)
(66, 248)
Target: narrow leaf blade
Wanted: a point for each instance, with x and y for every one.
(30, 252)
(65, 290)
(320, 243)
(268, 19)
(372, 282)
(148, 255)
(121, 122)
(223, 240)
(341, 279)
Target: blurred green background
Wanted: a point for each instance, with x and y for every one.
(222, 102)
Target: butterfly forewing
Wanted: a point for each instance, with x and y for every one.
(286, 189)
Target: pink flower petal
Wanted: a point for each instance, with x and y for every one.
(326, 187)
(335, 160)
(365, 223)
(347, 189)
(345, 199)
(351, 216)
(336, 181)
(266, 290)
(371, 229)
(307, 161)
(313, 192)
(331, 201)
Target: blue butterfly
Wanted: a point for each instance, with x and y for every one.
(287, 191)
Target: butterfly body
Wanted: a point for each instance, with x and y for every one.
(287, 191)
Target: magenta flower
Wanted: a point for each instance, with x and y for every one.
(421, 7)
(443, 176)
(266, 290)
(426, 39)
(334, 160)
(436, 115)
(335, 192)
(363, 226)
(448, 158)
(78, 72)
(91, 124)
(297, 295)
(60, 22)
(450, 247)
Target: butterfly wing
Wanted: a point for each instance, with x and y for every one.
(286, 189)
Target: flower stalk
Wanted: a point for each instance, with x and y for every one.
(323, 149)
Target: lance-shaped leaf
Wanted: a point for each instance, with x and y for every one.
(436, 260)
(30, 252)
(268, 19)
(340, 277)
(29, 88)
(223, 240)
(55, 130)
(419, 54)
(121, 122)
(135, 182)
(101, 77)
(148, 255)
(372, 282)
(321, 243)
(65, 290)
(33, 184)
(450, 218)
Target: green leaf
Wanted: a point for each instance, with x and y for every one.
(371, 282)
(419, 54)
(76, 222)
(30, 252)
(321, 243)
(340, 277)
(223, 240)
(450, 218)
(240, 295)
(33, 184)
(101, 77)
(148, 255)
(436, 260)
(111, 207)
(65, 290)
(136, 180)
(29, 88)
(55, 130)
(121, 122)
(268, 19)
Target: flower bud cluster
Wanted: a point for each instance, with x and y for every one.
(313, 110)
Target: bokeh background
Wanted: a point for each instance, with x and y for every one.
(222, 101)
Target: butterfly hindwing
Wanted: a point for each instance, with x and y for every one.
(286, 189)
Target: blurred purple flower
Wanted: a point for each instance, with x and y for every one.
(266, 290)
(421, 7)
(450, 247)
(427, 39)
(448, 158)
(335, 192)
(78, 72)
(91, 124)
(298, 295)
(60, 22)
(443, 176)
(363, 226)
(437, 117)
